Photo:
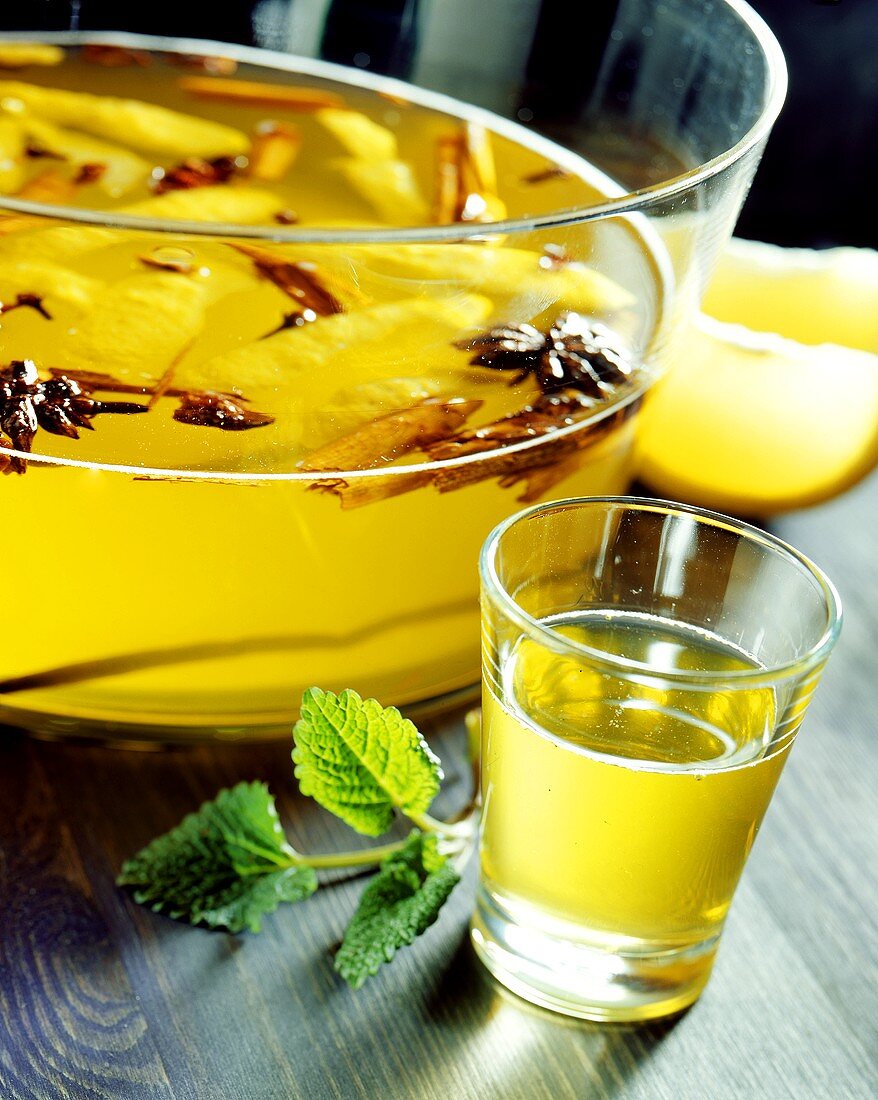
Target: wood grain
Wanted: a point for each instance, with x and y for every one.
(101, 999)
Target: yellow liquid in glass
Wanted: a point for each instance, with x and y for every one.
(622, 814)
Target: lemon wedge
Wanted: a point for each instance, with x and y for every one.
(753, 423)
(826, 297)
(814, 297)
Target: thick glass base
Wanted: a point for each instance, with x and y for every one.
(578, 978)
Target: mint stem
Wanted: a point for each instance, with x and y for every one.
(295, 858)
(457, 830)
(352, 859)
(257, 850)
(366, 857)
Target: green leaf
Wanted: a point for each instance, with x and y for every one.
(400, 902)
(360, 760)
(225, 866)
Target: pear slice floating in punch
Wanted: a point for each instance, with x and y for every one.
(12, 146)
(136, 328)
(222, 204)
(295, 373)
(145, 127)
(354, 406)
(18, 55)
(515, 277)
(388, 186)
(358, 135)
(123, 170)
(51, 282)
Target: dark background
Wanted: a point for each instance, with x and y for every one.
(817, 182)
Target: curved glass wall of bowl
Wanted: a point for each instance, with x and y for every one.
(414, 315)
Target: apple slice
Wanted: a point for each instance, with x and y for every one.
(18, 55)
(56, 244)
(142, 126)
(12, 144)
(224, 204)
(48, 281)
(358, 135)
(354, 347)
(353, 406)
(136, 328)
(518, 279)
(123, 170)
(389, 186)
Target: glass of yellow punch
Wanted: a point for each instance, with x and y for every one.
(646, 669)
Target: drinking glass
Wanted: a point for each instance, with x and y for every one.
(223, 575)
(646, 667)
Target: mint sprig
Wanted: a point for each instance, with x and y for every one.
(225, 866)
(361, 761)
(400, 903)
(229, 864)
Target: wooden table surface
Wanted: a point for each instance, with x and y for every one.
(100, 998)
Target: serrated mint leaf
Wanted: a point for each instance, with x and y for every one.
(225, 866)
(360, 760)
(400, 902)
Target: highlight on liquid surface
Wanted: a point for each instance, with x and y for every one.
(621, 812)
(214, 600)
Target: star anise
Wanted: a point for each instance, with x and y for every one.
(60, 405)
(218, 410)
(195, 172)
(575, 353)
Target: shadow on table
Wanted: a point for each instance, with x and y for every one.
(531, 1050)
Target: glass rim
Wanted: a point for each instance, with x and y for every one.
(629, 202)
(629, 400)
(762, 676)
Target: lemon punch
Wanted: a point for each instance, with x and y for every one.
(646, 669)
